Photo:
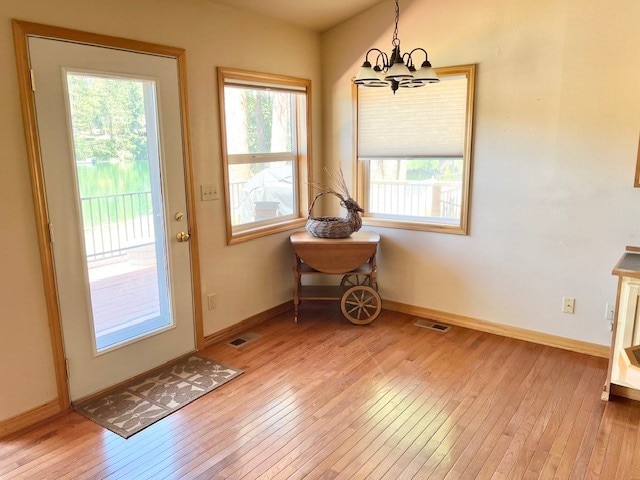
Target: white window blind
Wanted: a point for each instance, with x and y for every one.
(416, 122)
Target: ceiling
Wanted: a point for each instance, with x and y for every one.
(318, 15)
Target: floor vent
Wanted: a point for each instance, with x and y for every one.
(432, 325)
(243, 339)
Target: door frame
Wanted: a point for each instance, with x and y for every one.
(21, 31)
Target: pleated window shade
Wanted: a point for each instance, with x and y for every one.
(429, 121)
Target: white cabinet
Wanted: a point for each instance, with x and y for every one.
(624, 376)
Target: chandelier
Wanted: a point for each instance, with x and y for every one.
(396, 70)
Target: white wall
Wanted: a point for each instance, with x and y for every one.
(248, 278)
(556, 137)
(557, 122)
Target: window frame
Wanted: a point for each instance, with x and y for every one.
(301, 156)
(362, 177)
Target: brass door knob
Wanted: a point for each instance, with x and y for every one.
(183, 236)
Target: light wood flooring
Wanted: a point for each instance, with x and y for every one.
(324, 399)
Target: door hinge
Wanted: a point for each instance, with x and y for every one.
(66, 367)
(50, 228)
(33, 80)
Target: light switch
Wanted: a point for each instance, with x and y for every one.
(209, 192)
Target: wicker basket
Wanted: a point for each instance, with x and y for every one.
(329, 227)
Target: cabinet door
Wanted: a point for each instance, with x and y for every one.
(627, 329)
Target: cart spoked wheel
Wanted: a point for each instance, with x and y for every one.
(353, 279)
(361, 304)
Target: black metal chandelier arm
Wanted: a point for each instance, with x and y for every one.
(426, 56)
(382, 61)
(408, 61)
(381, 54)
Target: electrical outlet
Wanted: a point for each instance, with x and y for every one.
(211, 301)
(568, 305)
(608, 312)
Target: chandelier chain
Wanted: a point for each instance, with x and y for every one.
(396, 41)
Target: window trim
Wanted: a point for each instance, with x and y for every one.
(302, 158)
(361, 165)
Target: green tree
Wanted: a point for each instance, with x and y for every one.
(108, 118)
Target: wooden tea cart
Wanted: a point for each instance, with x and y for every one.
(354, 258)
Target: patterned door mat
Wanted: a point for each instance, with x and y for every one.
(136, 406)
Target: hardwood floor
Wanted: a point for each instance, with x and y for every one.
(324, 399)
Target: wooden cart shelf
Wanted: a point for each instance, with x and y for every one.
(354, 258)
(322, 292)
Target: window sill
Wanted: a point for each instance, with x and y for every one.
(265, 230)
(420, 226)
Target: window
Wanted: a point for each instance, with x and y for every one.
(265, 149)
(414, 153)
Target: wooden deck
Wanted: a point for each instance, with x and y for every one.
(122, 298)
(324, 399)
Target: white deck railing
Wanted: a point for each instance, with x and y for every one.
(436, 199)
(415, 199)
(114, 224)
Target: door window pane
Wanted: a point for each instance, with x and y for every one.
(117, 165)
